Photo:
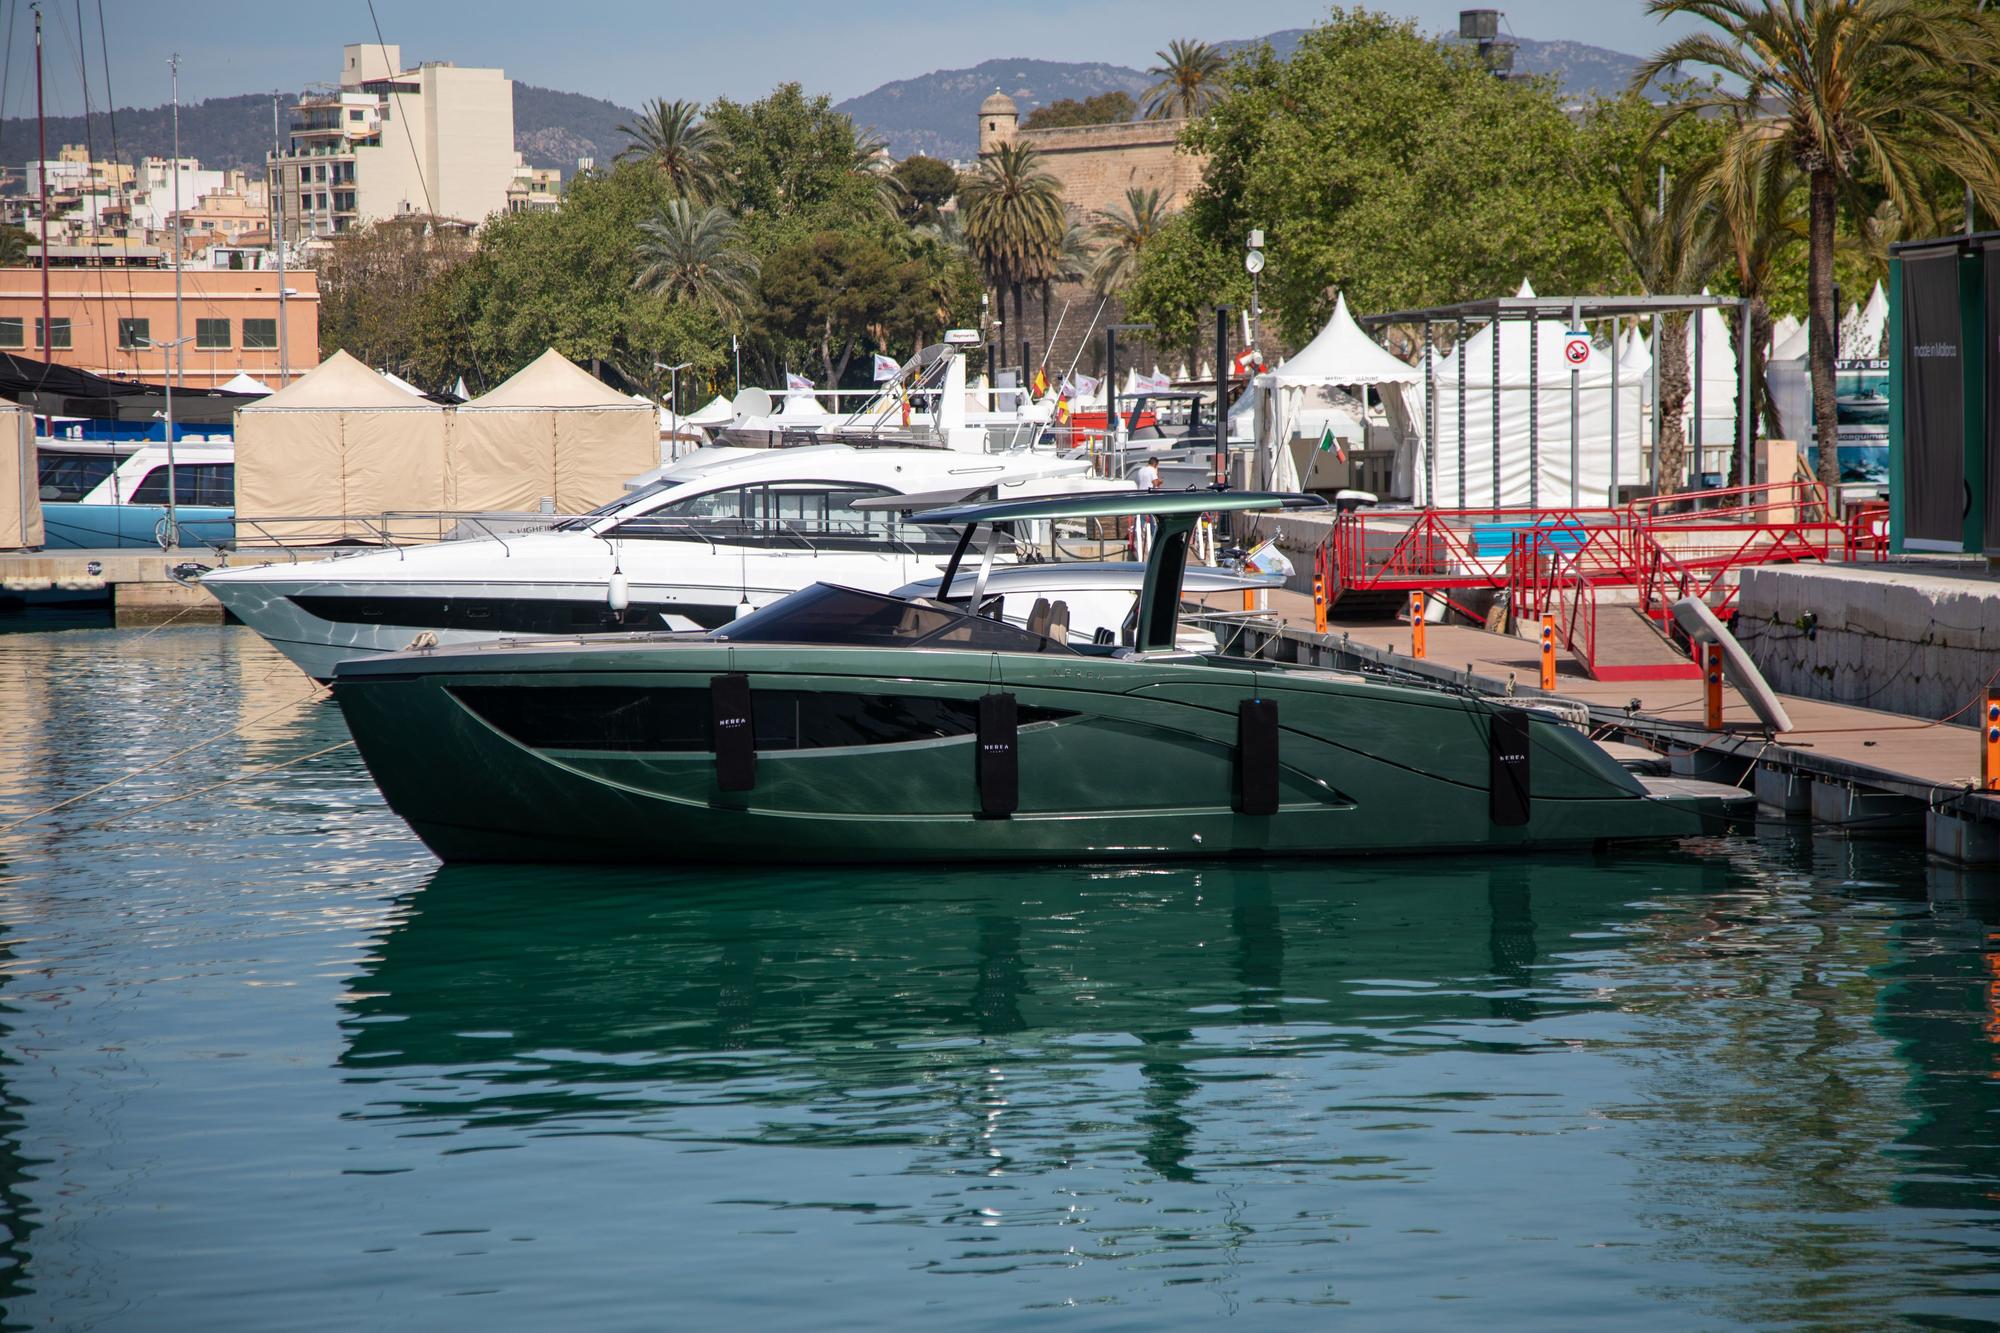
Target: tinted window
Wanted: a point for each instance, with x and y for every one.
(58, 334)
(194, 484)
(135, 333)
(825, 613)
(214, 332)
(260, 333)
(73, 476)
(11, 331)
(645, 718)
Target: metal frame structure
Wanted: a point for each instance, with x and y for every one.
(1579, 311)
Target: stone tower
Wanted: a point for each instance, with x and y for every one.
(997, 118)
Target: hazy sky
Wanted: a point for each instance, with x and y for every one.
(630, 50)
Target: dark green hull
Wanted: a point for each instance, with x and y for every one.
(1118, 759)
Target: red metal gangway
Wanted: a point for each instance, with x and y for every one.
(1565, 562)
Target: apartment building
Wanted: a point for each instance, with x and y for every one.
(108, 321)
(436, 140)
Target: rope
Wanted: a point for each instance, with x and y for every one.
(217, 786)
(157, 763)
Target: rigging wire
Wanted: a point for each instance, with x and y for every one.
(408, 136)
(111, 119)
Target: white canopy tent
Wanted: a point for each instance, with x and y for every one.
(244, 382)
(20, 480)
(1296, 403)
(552, 431)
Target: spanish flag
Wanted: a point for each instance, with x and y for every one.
(1041, 384)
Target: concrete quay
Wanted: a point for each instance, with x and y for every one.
(1855, 770)
(138, 585)
(1919, 638)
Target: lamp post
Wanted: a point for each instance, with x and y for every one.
(674, 395)
(173, 533)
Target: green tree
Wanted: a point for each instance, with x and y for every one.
(1674, 250)
(928, 185)
(1381, 163)
(791, 162)
(1181, 278)
(1122, 235)
(15, 243)
(1847, 90)
(672, 137)
(369, 281)
(840, 293)
(1188, 73)
(1013, 220)
(1112, 108)
(697, 256)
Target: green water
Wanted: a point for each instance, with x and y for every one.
(263, 1065)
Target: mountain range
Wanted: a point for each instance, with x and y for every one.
(933, 113)
(551, 129)
(938, 113)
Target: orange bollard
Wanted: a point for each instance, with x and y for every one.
(1417, 625)
(1549, 653)
(1712, 684)
(1989, 769)
(1319, 603)
(1249, 599)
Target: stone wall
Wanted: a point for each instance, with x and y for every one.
(1885, 637)
(1098, 163)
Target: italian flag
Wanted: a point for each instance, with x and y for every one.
(1329, 445)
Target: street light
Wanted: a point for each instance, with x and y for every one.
(173, 533)
(674, 395)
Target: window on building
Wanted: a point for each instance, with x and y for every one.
(12, 331)
(355, 114)
(260, 333)
(135, 333)
(212, 333)
(58, 336)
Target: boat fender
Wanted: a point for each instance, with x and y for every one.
(997, 756)
(1508, 738)
(618, 593)
(733, 731)
(1257, 757)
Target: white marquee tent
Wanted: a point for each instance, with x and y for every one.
(20, 480)
(552, 431)
(340, 441)
(1295, 403)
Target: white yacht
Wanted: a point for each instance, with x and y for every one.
(703, 543)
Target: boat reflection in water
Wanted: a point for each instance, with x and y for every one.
(1270, 1077)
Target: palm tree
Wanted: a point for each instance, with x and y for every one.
(1187, 72)
(1672, 250)
(1890, 90)
(1761, 218)
(1074, 257)
(1013, 220)
(674, 138)
(695, 254)
(869, 159)
(1124, 233)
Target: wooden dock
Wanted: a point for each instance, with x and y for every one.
(1847, 766)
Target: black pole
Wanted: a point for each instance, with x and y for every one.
(1110, 387)
(1222, 395)
(1027, 358)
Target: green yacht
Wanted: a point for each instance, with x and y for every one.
(837, 725)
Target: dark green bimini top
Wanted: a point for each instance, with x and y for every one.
(1101, 504)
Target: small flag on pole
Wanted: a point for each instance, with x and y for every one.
(886, 368)
(1041, 384)
(797, 383)
(1330, 444)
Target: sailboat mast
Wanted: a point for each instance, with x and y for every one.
(42, 180)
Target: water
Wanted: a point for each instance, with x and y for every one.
(263, 1064)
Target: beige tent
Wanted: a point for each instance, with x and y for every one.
(20, 480)
(340, 442)
(551, 431)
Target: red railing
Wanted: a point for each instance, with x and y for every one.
(1662, 548)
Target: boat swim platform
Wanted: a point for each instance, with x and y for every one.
(1856, 769)
(137, 584)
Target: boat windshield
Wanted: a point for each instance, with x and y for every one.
(826, 613)
(619, 505)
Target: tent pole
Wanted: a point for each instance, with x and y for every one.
(1700, 374)
(1430, 416)
(1746, 416)
(1496, 326)
(1611, 496)
(1458, 347)
(1575, 420)
(1534, 409)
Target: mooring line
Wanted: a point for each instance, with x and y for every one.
(217, 786)
(157, 763)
